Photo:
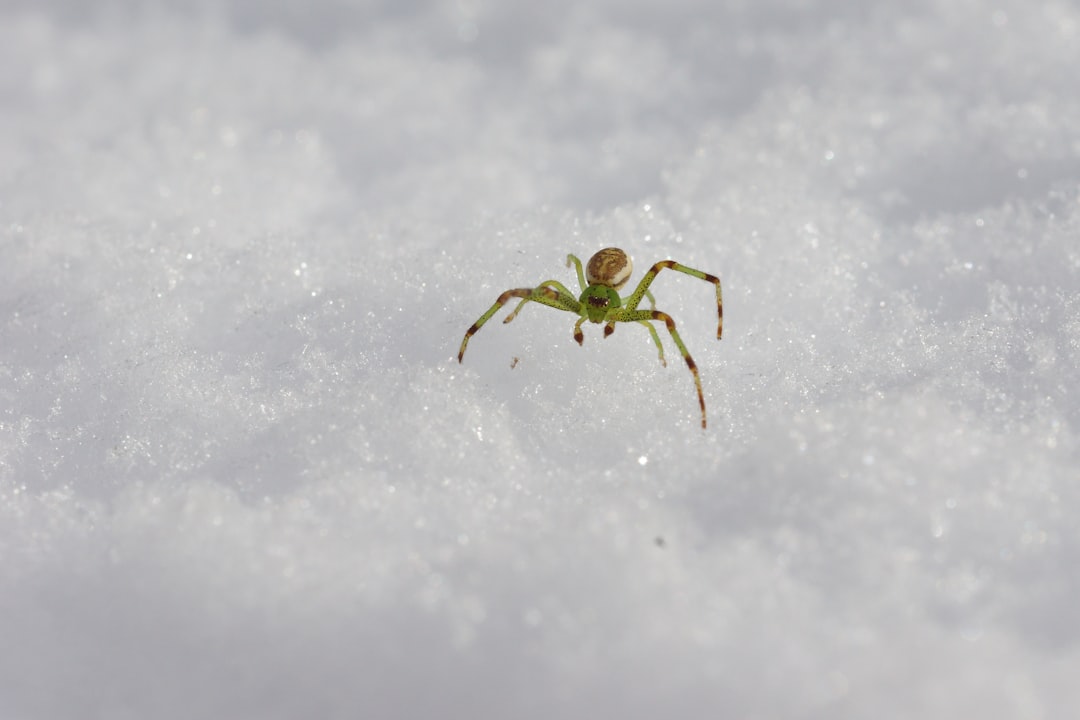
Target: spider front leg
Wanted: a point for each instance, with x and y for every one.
(555, 284)
(626, 315)
(610, 327)
(642, 289)
(542, 294)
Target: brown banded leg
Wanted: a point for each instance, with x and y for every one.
(643, 288)
(542, 294)
(625, 315)
(553, 284)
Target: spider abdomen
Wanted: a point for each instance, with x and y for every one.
(610, 267)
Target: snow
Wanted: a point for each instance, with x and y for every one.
(242, 473)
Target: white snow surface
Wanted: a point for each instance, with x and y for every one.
(242, 474)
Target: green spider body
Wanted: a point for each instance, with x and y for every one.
(599, 302)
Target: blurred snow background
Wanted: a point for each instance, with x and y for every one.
(243, 476)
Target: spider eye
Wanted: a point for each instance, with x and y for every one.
(598, 301)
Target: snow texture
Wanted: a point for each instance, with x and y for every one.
(242, 474)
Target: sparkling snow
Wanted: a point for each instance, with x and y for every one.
(242, 474)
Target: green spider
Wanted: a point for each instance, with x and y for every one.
(607, 272)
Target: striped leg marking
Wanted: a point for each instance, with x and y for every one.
(643, 288)
(624, 315)
(553, 284)
(543, 294)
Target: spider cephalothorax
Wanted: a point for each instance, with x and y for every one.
(607, 272)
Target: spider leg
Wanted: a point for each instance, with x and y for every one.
(580, 272)
(542, 294)
(652, 300)
(555, 284)
(642, 289)
(609, 328)
(656, 339)
(643, 316)
(578, 335)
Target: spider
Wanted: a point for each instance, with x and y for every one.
(607, 272)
